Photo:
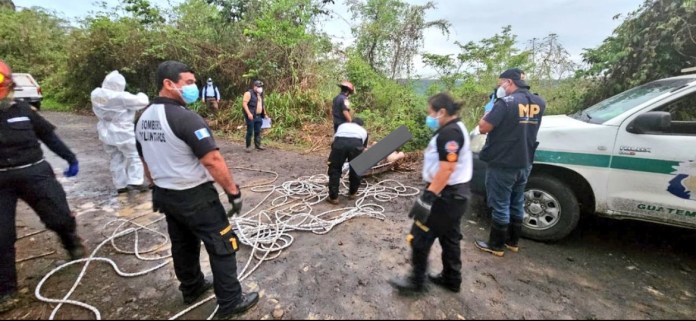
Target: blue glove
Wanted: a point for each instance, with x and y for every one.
(489, 105)
(72, 170)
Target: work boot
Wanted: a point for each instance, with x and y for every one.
(515, 231)
(260, 147)
(8, 302)
(333, 201)
(353, 196)
(249, 300)
(142, 188)
(441, 281)
(248, 149)
(408, 286)
(193, 296)
(496, 241)
(73, 244)
(122, 190)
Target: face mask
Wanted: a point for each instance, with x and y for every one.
(432, 122)
(500, 93)
(189, 93)
(259, 90)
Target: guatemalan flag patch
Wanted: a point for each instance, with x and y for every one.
(202, 133)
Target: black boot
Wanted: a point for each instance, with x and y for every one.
(443, 282)
(408, 286)
(73, 244)
(496, 241)
(515, 230)
(8, 302)
(249, 300)
(193, 296)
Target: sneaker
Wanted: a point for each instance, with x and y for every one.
(333, 201)
(249, 300)
(8, 302)
(260, 148)
(353, 197)
(247, 150)
(193, 296)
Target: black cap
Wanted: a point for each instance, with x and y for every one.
(516, 75)
(258, 83)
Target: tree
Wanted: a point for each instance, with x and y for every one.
(390, 33)
(655, 41)
(551, 60)
(7, 4)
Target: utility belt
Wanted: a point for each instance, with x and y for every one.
(456, 192)
(349, 140)
(7, 169)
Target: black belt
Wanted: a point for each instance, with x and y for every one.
(7, 169)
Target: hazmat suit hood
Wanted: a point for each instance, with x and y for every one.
(114, 81)
(116, 109)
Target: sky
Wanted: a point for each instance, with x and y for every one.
(579, 23)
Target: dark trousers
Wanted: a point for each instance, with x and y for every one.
(443, 224)
(36, 185)
(343, 149)
(254, 127)
(196, 215)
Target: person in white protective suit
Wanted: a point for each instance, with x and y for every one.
(116, 110)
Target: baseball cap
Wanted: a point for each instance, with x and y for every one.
(516, 75)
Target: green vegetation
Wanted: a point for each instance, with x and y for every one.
(281, 42)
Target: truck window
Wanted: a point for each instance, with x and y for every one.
(683, 111)
(617, 105)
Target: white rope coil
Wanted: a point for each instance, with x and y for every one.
(265, 230)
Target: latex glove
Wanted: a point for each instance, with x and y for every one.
(72, 170)
(421, 208)
(236, 202)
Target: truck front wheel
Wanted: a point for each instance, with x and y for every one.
(551, 209)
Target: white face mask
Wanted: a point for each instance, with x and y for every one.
(500, 93)
(259, 90)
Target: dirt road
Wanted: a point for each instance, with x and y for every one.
(605, 270)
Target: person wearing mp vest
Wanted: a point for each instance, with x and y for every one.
(438, 212)
(512, 126)
(183, 160)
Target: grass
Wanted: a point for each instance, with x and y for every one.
(51, 104)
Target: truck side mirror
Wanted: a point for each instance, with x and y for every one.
(650, 122)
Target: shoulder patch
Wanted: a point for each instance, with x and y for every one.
(18, 119)
(452, 146)
(508, 99)
(202, 133)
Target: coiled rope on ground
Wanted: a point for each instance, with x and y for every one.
(265, 230)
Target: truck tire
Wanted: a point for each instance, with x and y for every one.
(551, 209)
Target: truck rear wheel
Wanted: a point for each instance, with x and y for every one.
(551, 209)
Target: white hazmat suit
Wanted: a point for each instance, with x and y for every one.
(116, 109)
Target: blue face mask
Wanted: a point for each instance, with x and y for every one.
(432, 122)
(189, 93)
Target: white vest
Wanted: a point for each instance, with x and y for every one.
(462, 172)
(351, 130)
(170, 160)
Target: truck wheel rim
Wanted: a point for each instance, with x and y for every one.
(542, 211)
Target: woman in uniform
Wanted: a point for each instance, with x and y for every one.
(437, 213)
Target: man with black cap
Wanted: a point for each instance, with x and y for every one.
(254, 105)
(512, 126)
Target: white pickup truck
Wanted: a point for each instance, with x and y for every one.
(27, 89)
(632, 156)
